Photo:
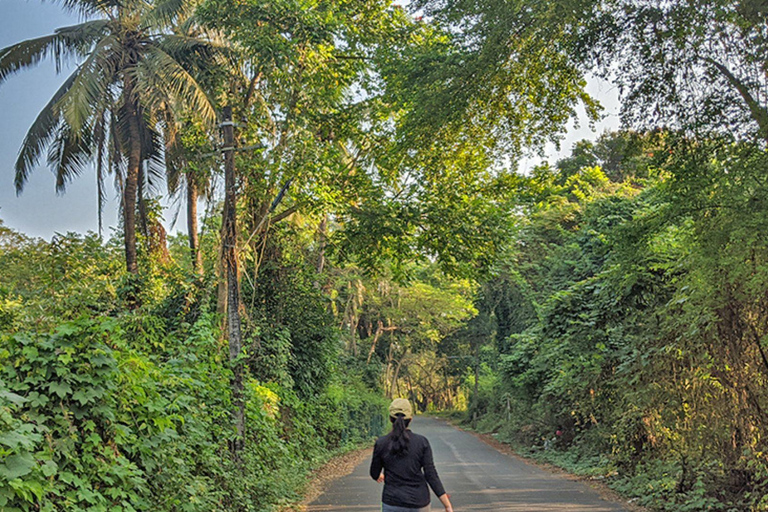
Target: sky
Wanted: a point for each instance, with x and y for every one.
(38, 211)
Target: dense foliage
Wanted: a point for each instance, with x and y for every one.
(105, 408)
(641, 357)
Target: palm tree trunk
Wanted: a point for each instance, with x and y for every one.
(229, 254)
(131, 178)
(194, 244)
(141, 199)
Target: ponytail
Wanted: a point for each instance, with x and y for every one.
(399, 438)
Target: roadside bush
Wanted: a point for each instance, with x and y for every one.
(89, 423)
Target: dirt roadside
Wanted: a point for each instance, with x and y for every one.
(321, 477)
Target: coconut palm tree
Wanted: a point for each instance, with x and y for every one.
(129, 80)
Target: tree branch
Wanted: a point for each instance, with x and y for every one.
(759, 113)
(278, 199)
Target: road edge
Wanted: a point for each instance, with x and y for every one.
(321, 477)
(601, 488)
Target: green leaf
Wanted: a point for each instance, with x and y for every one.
(101, 360)
(49, 468)
(66, 329)
(37, 400)
(17, 466)
(28, 489)
(68, 477)
(21, 437)
(65, 358)
(30, 352)
(12, 397)
(60, 388)
(83, 397)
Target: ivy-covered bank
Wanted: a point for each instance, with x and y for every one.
(107, 409)
(92, 422)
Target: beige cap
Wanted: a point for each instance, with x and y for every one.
(401, 406)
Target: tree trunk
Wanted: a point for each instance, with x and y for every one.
(142, 202)
(379, 330)
(395, 388)
(353, 331)
(131, 179)
(387, 389)
(322, 231)
(194, 244)
(229, 255)
(411, 394)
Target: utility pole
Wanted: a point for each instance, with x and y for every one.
(229, 255)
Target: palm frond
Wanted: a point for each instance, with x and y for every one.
(100, 141)
(67, 42)
(82, 37)
(181, 44)
(91, 7)
(167, 13)
(69, 154)
(152, 154)
(206, 57)
(193, 53)
(115, 148)
(40, 134)
(90, 93)
(87, 8)
(162, 80)
(26, 54)
(174, 151)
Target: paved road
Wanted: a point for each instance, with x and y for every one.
(476, 476)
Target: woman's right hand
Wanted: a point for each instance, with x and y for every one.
(446, 501)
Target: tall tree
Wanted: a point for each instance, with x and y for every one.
(109, 109)
(469, 86)
(278, 125)
(508, 74)
(693, 65)
(190, 161)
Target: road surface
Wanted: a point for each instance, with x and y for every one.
(476, 476)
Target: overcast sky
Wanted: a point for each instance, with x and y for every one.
(38, 211)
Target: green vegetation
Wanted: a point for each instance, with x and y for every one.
(641, 353)
(373, 238)
(106, 407)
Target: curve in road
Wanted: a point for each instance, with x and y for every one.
(477, 477)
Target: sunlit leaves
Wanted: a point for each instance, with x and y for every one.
(504, 73)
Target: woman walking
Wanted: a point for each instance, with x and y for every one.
(403, 461)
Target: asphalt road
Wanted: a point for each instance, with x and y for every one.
(476, 476)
